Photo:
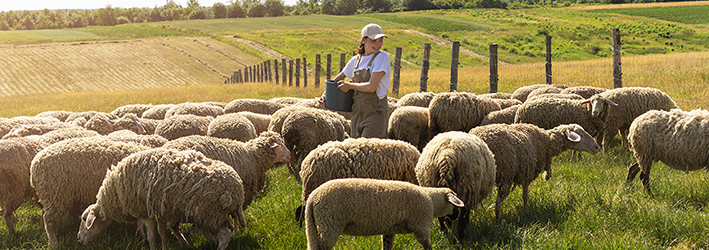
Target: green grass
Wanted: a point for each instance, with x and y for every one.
(680, 14)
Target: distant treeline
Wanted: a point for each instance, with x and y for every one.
(109, 16)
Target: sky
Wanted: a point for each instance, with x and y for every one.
(14, 5)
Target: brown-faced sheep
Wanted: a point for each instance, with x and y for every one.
(410, 124)
(458, 111)
(461, 162)
(381, 207)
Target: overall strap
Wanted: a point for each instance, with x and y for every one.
(372, 59)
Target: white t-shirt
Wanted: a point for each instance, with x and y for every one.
(382, 63)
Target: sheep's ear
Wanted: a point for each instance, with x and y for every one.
(587, 101)
(572, 136)
(274, 145)
(90, 218)
(455, 200)
(609, 102)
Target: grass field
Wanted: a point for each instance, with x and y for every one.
(680, 14)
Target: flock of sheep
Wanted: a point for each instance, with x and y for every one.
(162, 165)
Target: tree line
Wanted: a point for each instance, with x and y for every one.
(110, 16)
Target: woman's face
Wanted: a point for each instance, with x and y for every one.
(373, 45)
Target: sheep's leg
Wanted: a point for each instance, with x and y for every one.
(632, 172)
(9, 215)
(463, 220)
(224, 237)
(607, 137)
(162, 230)
(328, 237)
(624, 136)
(645, 174)
(150, 232)
(423, 236)
(178, 234)
(502, 192)
(525, 194)
(388, 241)
(50, 228)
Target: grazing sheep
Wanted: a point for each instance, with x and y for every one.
(522, 92)
(676, 138)
(68, 174)
(286, 101)
(506, 103)
(410, 124)
(523, 151)
(153, 141)
(194, 108)
(548, 113)
(183, 125)
(506, 116)
(232, 126)
(170, 187)
(304, 131)
(260, 121)
(549, 89)
(81, 122)
(137, 109)
(88, 115)
(101, 123)
(64, 134)
(15, 159)
(380, 207)
(420, 99)
(623, 105)
(314, 103)
(157, 112)
(36, 129)
(251, 159)
(60, 115)
(461, 162)
(277, 119)
(497, 95)
(556, 95)
(253, 105)
(584, 91)
(374, 158)
(458, 111)
(104, 125)
(7, 124)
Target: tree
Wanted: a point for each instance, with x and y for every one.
(192, 4)
(257, 10)
(345, 7)
(107, 16)
(377, 5)
(274, 7)
(235, 11)
(220, 11)
(327, 7)
(27, 23)
(416, 4)
(198, 13)
(3, 25)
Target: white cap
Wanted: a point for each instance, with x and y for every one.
(373, 31)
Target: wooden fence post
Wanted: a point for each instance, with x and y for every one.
(297, 72)
(283, 62)
(397, 72)
(317, 70)
(548, 63)
(454, 66)
(424, 67)
(329, 67)
(268, 71)
(617, 73)
(342, 61)
(493, 68)
(275, 69)
(290, 73)
(305, 73)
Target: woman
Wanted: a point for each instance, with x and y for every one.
(370, 110)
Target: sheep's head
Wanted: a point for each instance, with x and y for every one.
(92, 224)
(578, 139)
(598, 105)
(275, 142)
(130, 121)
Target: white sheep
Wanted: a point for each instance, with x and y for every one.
(60, 115)
(232, 126)
(410, 124)
(419, 99)
(36, 129)
(170, 187)
(8, 124)
(68, 174)
(137, 109)
(676, 138)
(253, 105)
(58, 135)
(506, 116)
(373, 207)
(251, 159)
(260, 121)
(287, 101)
(548, 113)
(521, 93)
(523, 151)
(153, 141)
(461, 162)
(157, 112)
(458, 111)
(183, 125)
(194, 108)
(584, 91)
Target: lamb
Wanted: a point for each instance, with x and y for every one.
(462, 162)
(170, 187)
(260, 121)
(15, 159)
(374, 158)
(548, 113)
(420, 99)
(232, 126)
(183, 125)
(253, 105)
(410, 124)
(194, 108)
(382, 207)
(623, 105)
(137, 109)
(523, 151)
(522, 92)
(506, 116)
(676, 138)
(304, 131)
(458, 111)
(57, 169)
(251, 160)
(584, 91)
(157, 112)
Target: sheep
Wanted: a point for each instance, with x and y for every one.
(232, 126)
(137, 109)
(523, 151)
(133, 123)
(286, 101)
(357, 158)
(88, 115)
(676, 138)
(60, 115)
(458, 111)
(104, 125)
(381, 207)
(251, 159)
(183, 125)
(556, 95)
(170, 187)
(522, 92)
(497, 95)
(420, 99)
(410, 124)
(506, 116)
(153, 141)
(253, 105)
(157, 112)
(462, 162)
(100, 123)
(506, 103)
(15, 159)
(260, 121)
(277, 119)
(64, 134)
(547, 113)
(548, 89)
(7, 124)
(68, 174)
(80, 121)
(314, 103)
(623, 105)
(584, 91)
(194, 108)
(36, 129)
(304, 131)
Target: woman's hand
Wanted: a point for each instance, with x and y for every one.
(321, 100)
(344, 86)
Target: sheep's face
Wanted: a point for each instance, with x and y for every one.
(579, 139)
(599, 105)
(92, 224)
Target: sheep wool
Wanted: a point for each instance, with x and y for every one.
(419, 99)
(253, 105)
(410, 124)
(68, 174)
(676, 138)
(522, 92)
(458, 111)
(194, 108)
(157, 112)
(183, 125)
(153, 141)
(58, 135)
(497, 95)
(8, 124)
(60, 115)
(286, 101)
(232, 126)
(36, 129)
(461, 162)
(523, 151)
(380, 207)
(171, 187)
(506, 116)
(260, 121)
(584, 91)
(548, 113)
(137, 109)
